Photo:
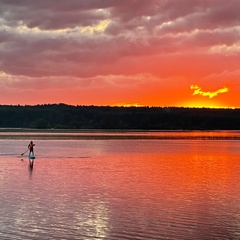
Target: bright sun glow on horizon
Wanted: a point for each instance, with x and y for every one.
(126, 105)
(204, 104)
(192, 104)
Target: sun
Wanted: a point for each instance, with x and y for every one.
(204, 104)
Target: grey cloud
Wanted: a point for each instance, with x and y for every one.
(136, 30)
(52, 14)
(188, 15)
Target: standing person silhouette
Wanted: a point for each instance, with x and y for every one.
(30, 147)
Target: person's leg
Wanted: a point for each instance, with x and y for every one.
(30, 152)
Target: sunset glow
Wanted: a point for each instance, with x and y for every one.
(198, 91)
(120, 53)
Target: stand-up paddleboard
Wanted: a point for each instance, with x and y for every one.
(31, 157)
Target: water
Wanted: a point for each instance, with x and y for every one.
(121, 186)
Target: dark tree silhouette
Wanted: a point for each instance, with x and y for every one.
(94, 117)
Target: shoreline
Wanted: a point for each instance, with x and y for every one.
(99, 134)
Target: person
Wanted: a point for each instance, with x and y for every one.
(30, 147)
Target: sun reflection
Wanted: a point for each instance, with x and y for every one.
(95, 216)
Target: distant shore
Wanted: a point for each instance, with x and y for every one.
(79, 118)
(90, 134)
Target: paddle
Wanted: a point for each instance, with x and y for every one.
(24, 152)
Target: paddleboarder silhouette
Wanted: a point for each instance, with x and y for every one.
(31, 154)
(30, 147)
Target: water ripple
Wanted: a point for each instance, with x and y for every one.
(125, 190)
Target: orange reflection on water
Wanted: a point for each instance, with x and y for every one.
(176, 174)
(184, 188)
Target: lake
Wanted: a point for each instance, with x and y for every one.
(120, 185)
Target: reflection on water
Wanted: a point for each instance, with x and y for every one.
(120, 189)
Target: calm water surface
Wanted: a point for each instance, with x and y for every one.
(122, 188)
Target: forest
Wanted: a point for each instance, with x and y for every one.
(62, 116)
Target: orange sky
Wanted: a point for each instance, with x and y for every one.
(129, 52)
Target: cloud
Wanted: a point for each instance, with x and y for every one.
(22, 82)
(85, 38)
(198, 91)
(233, 49)
(92, 41)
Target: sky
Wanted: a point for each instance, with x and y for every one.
(167, 53)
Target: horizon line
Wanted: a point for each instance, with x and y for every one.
(117, 106)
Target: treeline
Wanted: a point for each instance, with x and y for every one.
(61, 116)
